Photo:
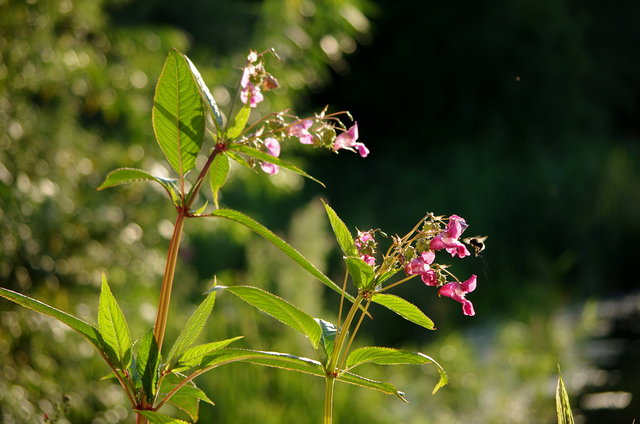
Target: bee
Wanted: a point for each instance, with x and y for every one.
(476, 242)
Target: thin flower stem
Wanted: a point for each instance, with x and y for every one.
(342, 333)
(344, 290)
(328, 399)
(345, 352)
(167, 281)
(397, 283)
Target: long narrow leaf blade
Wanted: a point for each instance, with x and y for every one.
(129, 175)
(239, 121)
(563, 408)
(178, 114)
(192, 356)
(278, 308)
(341, 231)
(192, 328)
(386, 388)
(84, 328)
(147, 361)
(388, 356)
(158, 418)
(280, 244)
(206, 94)
(113, 326)
(404, 308)
(265, 157)
(218, 176)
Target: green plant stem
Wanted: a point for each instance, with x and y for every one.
(342, 334)
(345, 352)
(404, 280)
(328, 399)
(167, 281)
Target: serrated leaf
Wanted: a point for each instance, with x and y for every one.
(239, 121)
(327, 340)
(193, 356)
(388, 356)
(188, 399)
(88, 331)
(129, 175)
(280, 309)
(265, 157)
(206, 95)
(293, 363)
(178, 114)
(404, 308)
(147, 361)
(113, 327)
(563, 407)
(158, 418)
(342, 233)
(280, 244)
(361, 273)
(192, 328)
(241, 160)
(218, 175)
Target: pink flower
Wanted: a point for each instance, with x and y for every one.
(457, 291)
(273, 148)
(249, 90)
(448, 239)
(420, 266)
(366, 245)
(300, 130)
(347, 140)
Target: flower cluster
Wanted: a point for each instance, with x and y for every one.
(255, 79)
(416, 253)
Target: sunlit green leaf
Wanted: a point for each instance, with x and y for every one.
(193, 356)
(87, 330)
(265, 157)
(327, 341)
(188, 399)
(113, 326)
(192, 328)
(158, 418)
(279, 243)
(147, 361)
(278, 308)
(404, 308)
(240, 159)
(361, 273)
(129, 175)
(342, 233)
(563, 408)
(358, 380)
(218, 175)
(206, 95)
(239, 121)
(388, 356)
(178, 114)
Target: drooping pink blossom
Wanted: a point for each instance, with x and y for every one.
(300, 130)
(457, 291)
(366, 244)
(448, 239)
(347, 140)
(369, 260)
(273, 148)
(420, 266)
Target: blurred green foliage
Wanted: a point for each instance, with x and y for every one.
(520, 116)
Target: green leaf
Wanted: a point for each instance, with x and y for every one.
(193, 356)
(147, 363)
(218, 175)
(361, 273)
(113, 327)
(404, 308)
(87, 330)
(342, 233)
(265, 157)
(241, 160)
(188, 399)
(327, 340)
(388, 356)
(158, 418)
(192, 328)
(239, 121)
(178, 114)
(280, 244)
(563, 408)
(292, 363)
(206, 95)
(278, 308)
(128, 175)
